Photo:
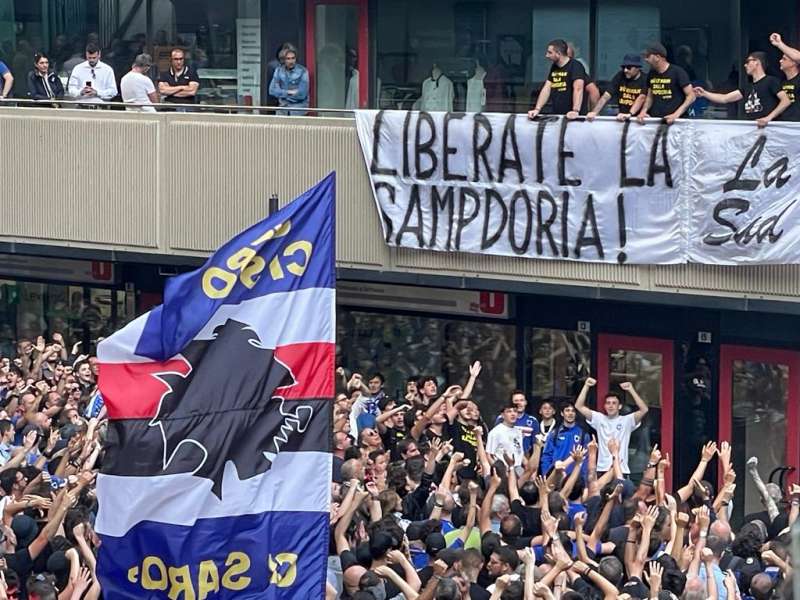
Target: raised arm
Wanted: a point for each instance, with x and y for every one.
(578, 456)
(706, 454)
(602, 520)
(485, 518)
(580, 542)
(641, 405)
(474, 371)
(769, 503)
(580, 403)
(792, 53)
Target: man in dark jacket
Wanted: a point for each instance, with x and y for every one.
(563, 438)
(42, 83)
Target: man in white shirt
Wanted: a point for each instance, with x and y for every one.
(612, 424)
(92, 81)
(506, 437)
(137, 88)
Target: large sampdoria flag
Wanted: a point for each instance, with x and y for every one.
(216, 480)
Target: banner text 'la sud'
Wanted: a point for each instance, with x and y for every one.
(696, 191)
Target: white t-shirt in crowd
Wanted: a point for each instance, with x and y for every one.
(620, 428)
(135, 88)
(505, 440)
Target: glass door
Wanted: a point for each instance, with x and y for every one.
(337, 53)
(758, 394)
(648, 364)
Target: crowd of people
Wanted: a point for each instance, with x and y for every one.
(51, 426)
(432, 501)
(666, 91)
(431, 498)
(93, 82)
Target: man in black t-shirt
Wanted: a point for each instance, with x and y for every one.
(791, 83)
(565, 83)
(626, 88)
(180, 83)
(764, 98)
(668, 92)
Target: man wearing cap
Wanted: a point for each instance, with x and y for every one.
(137, 88)
(668, 91)
(765, 100)
(626, 88)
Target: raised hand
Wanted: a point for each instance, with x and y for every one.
(578, 454)
(590, 382)
(579, 520)
(626, 386)
(708, 452)
(475, 369)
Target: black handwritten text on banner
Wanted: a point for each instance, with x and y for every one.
(710, 192)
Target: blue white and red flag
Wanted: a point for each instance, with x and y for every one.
(216, 478)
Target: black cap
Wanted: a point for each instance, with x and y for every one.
(416, 530)
(434, 543)
(655, 48)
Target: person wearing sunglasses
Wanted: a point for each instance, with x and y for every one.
(764, 98)
(625, 88)
(92, 81)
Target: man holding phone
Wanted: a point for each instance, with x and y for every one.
(92, 81)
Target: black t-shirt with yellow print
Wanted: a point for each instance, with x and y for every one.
(562, 81)
(667, 89)
(625, 91)
(792, 89)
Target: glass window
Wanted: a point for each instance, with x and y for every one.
(336, 47)
(646, 370)
(703, 40)
(568, 20)
(221, 38)
(559, 362)
(404, 346)
(760, 396)
(453, 55)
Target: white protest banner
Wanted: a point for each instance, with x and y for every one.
(743, 194)
(604, 191)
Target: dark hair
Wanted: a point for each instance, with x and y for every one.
(447, 589)
(39, 56)
(674, 581)
(529, 493)
(378, 375)
(7, 480)
(611, 569)
(403, 445)
(426, 378)
(559, 46)
(92, 48)
(760, 57)
(612, 395)
(508, 555)
(42, 586)
(5, 425)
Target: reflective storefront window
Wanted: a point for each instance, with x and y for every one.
(455, 55)
(404, 346)
(559, 360)
(79, 313)
(221, 39)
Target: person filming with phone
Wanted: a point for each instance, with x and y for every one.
(92, 81)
